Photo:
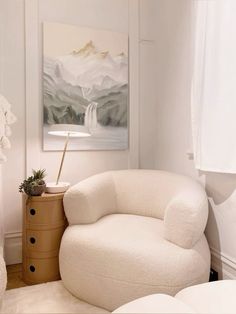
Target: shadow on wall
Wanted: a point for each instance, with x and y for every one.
(220, 186)
(220, 231)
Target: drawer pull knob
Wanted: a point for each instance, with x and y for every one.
(32, 268)
(32, 211)
(32, 240)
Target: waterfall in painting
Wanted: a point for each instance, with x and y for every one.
(91, 116)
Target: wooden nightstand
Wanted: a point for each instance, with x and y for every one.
(44, 223)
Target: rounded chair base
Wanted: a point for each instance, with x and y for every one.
(124, 257)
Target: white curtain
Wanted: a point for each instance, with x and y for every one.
(214, 86)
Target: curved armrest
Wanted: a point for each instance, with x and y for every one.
(186, 217)
(90, 199)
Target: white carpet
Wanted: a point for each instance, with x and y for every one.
(51, 297)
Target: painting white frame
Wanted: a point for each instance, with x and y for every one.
(86, 82)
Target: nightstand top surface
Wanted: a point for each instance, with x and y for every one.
(46, 197)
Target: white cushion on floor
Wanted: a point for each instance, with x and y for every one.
(127, 257)
(212, 297)
(208, 298)
(156, 303)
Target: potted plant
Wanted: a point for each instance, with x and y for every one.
(34, 185)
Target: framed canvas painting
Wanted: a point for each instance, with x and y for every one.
(85, 82)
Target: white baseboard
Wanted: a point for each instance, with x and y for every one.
(225, 265)
(13, 248)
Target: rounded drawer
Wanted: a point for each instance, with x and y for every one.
(43, 241)
(45, 212)
(40, 270)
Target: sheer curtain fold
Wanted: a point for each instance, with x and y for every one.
(214, 86)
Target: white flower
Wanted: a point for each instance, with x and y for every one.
(6, 118)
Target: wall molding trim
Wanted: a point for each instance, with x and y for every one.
(32, 83)
(134, 90)
(13, 248)
(224, 264)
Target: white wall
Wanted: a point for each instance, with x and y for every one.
(173, 138)
(13, 87)
(101, 14)
(21, 64)
(160, 127)
(147, 87)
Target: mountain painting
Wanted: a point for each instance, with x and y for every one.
(85, 82)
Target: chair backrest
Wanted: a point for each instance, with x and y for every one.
(138, 192)
(147, 192)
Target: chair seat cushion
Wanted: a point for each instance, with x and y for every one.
(122, 257)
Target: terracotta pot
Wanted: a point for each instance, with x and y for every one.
(38, 190)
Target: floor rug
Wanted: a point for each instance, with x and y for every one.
(50, 297)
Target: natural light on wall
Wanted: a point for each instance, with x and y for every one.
(214, 86)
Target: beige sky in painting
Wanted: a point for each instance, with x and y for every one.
(62, 39)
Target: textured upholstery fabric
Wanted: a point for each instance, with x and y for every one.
(186, 216)
(90, 199)
(179, 200)
(133, 233)
(208, 298)
(128, 257)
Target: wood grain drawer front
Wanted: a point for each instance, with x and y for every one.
(45, 212)
(44, 241)
(41, 270)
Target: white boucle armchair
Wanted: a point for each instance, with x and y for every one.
(133, 233)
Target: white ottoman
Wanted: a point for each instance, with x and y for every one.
(212, 297)
(155, 303)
